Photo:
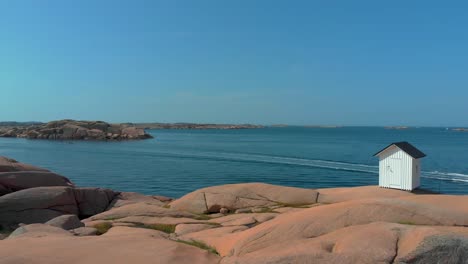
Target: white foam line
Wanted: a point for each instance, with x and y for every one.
(334, 165)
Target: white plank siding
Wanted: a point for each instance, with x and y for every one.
(397, 170)
(416, 173)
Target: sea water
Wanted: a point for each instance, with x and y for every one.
(176, 162)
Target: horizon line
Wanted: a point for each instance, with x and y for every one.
(400, 127)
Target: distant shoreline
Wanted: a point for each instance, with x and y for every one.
(195, 126)
(214, 126)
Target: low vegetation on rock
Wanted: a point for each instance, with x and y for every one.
(166, 228)
(103, 227)
(199, 244)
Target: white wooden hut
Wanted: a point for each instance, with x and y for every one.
(400, 166)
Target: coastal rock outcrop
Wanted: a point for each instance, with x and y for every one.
(119, 245)
(19, 180)
(9, 165)
(15, 176)
(377, 242)
(36, 205)
(335, 195)
(76, 130)
(41, 204)
(248, 195)
(30, 194)
(144, 210)
(320, 220)
(38, 230)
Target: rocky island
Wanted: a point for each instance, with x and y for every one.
(45, 218)
(73, 130)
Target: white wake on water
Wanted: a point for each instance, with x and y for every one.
(324, 164)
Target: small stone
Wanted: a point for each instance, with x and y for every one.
(224, 210)
(37, 230)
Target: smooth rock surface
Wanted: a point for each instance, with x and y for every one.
(41, 204)
(36, 205)
(182, 229)
(336, 195)
(140, 209)
(9, 165)
(37, 231)
(15, 176)
(320, 220)
(247, 195)
(119, 245)
(377, 242)
(20, 180)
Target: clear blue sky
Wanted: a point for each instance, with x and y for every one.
(295, 62)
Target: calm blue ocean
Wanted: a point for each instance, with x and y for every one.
(176, 162)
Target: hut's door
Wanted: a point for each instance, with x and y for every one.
(395, 173)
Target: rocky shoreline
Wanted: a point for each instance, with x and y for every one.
(45, 218)
(75, 130)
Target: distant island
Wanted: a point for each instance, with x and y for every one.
(322, 126)
(460, 129)
(307, 126)
(397, 127)
(72, 130)
(194, 126)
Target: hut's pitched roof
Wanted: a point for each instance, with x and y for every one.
(406, 147)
